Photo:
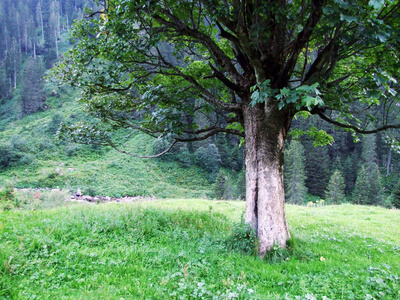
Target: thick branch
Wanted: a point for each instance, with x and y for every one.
(301, 40)
(218, 54)
(212, 131)
(353, 127)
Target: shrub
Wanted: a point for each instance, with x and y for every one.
(243, 238)
(159, 146)
(7, 199)
(185, 157)
(278, 254)
(9, 156)
(55, 122)
(91, 191)
(19, 143)
(72, 150)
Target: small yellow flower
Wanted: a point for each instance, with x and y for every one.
(322, 258)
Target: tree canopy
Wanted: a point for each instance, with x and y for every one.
(247, 67)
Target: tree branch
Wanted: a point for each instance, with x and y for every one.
(218, 54)
(212, 131)
(353, 127)
(301, 40)
(110, 143)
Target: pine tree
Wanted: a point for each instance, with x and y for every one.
(368, 188)
(361, 193)
(317, 168)
(350, 166)
(219, 185)
(295, 173)
(335, 190)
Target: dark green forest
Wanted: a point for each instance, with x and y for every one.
(34, 35)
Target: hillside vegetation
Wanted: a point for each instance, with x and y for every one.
(196, 249)
(38, 160)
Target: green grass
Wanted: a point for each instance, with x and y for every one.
(177, 249)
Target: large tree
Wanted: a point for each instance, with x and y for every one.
(248, 65)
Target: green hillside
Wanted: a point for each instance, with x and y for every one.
(196, 249)
(38, 160)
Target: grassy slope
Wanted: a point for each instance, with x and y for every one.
(174, 249)
(103, 172)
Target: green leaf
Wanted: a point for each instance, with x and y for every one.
(376, 4)
(347, 18)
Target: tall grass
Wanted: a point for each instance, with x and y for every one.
(182, 249)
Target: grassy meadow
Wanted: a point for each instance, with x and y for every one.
(196, 249)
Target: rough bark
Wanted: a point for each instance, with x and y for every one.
(265, 129)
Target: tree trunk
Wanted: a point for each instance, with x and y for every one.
(55, 40)
(265, 133)
(389, 162)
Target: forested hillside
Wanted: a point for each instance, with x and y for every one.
(34, 34)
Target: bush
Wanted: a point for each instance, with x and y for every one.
(19, 143)
(243, 238)
(9, 156)
(91, 191)
(279, 255)
(185, 157)
(12, 154)
(7, 199)
(55, 122)
(72, 150)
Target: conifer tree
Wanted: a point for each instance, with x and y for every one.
(368, 187)
(295, 173)
(317, 168)
(220, 185)
(350, 166)
(361, 193)
(335, 190)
